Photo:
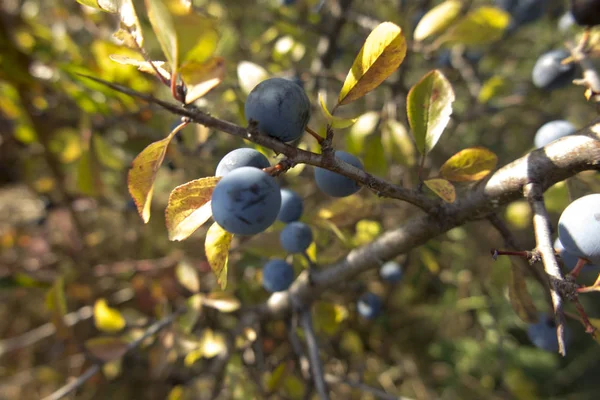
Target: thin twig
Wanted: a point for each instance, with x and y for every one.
(316, 368)
(90, 372)
(543, 239)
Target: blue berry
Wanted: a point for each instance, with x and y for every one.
(246, 201)
(277, 275)
(391, 271)
(292, 206)
(568, 259)
(334, 184)
(548, 72)
(579, 228)
(369, 305)
(543, 333)
(296, 237)
(244, 157)
(551, 131)
(280, 107)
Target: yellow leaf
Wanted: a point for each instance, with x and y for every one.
(491, 88)
(130, 31)
(140, 180)
(189, 207)
(165, 30)
(481, 26)
(144, 66)
(442, 188)
(437, 19)
(200, 78)
(222, 301)
(210, 345)
(107, 319)
(470, 164)
(188, 276)
(335, 122)
(216, 246)
(381, 54)
(107, 348)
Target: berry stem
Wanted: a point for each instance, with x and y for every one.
(314, 134)
(581, 262)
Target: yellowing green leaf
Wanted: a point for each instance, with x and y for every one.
(397, 144)
(327, 317)
(491, 88)
(104, 5)
(164, 29)
(189, 207)
(130, 31)
(187, 275)
(216, 246)
(364, 126)
(106, 348)
(144, 66)
(437, 19)
(481, 26)
(200, 78)
(366, 231)
(381, 54)
(520, 299)
(107, 319)
(275, 379)
(222, 301)
(187, 321)
(335, 122)
(470, 164)
(140, 180)
(429, 106)
(443, 188)
(196, 37)
(249, 75)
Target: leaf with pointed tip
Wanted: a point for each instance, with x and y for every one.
(335, 122)
(144, 66)
(216, 246)
(189, 207)
(130, 31)
(437, 19)
(140, 180)
(479, 27)
(201, 78)
(107, 348)
(429, 106)
(381, 54)
(519, 297)
(164, 29)
(444, 189)
(468, 165)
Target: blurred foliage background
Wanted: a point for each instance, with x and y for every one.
(71, 237)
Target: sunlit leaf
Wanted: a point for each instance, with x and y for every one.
(443, 188)
(143, 66)
(107, 319)
(196, 36)
(107, 348)
(110, 6)
(481, 26)
(216, 246)
(249, 75)
(66, 143)
(520, 299)
(429, 106)
(437, 19)
(366, 231)
(200, 78)
(164, 29)
(106, 154)
(470, 164)
(142, 174)
(364, 126)
(222, 301)
(374, 156)
(492, 88)
(397, 143)
(336, 122)
(189, 207)
(275, 379)
(327, 317)
(210, 345)
(187, 321)
(130, 30)
(187, 275)
(381, 54)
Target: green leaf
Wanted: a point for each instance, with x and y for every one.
(106, 154)
(249, 75)
(468, 165)
(479, 27)
(374, 157)
(491, 88)
(519, 297)
(88, 174)
(130, 30)
(196, 36)
(328, 317)
(140, 180)
(189, 207)
(444, 189)
(222, 301)
(216, 246)
(381, 54)
(364, 126)
(107, 348)
(164, 29)
(110, 6)
(187, 321)
(275, 379)
(437, 19)
(187, 276)
(201, 77)
(107, 319)
(429, 106)
(397, 144)
(335, 122)
(143, 66)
